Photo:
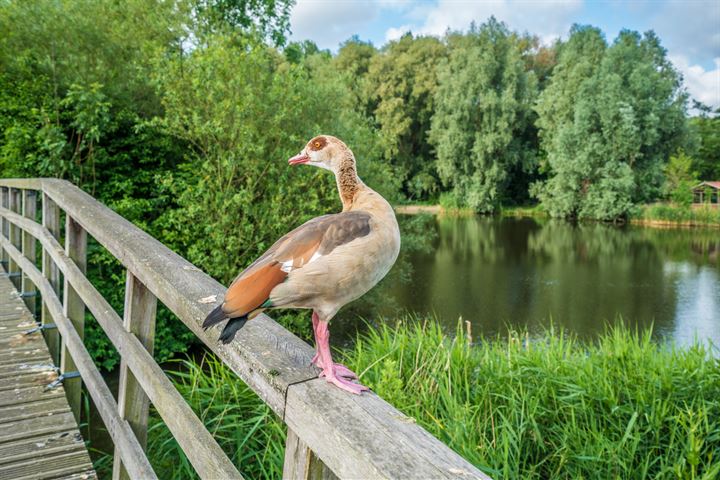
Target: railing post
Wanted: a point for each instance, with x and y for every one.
(301, 463)
(51, 221)
(14, 237)
(29, 210)
(74, 309)
(133, 404)
(4, 199)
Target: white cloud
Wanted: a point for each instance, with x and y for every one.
(395, 33)
(329, 22)
(703, 85)
(691, 27)
(549, 19)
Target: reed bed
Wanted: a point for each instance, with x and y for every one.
(550, 406)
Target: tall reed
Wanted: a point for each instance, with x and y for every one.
(518, 407)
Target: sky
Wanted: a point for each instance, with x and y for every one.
(689, 29)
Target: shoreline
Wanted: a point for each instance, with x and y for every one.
(519, 212)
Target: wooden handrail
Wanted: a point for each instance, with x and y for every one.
(350, 435)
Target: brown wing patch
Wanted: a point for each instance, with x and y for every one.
(249, 291)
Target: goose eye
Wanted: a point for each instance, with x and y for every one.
(317, 144)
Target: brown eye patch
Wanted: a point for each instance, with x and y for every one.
(318, 143)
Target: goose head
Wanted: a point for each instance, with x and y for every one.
(326, 152)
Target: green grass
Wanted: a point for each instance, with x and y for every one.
(677, 214)
(554, 407)
(517, 407)
(241, 423)
(524, 211)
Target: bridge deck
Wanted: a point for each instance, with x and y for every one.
(39, 438)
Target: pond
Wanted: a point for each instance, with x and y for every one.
(529, 273)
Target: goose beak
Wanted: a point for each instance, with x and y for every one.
(298, 159)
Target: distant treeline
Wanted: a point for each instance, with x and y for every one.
(180, 115)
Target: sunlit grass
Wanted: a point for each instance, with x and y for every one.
(241, 423)
(677, 214)
(547, 406)
(620, 407)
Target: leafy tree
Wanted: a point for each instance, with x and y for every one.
(352, 63)
(609, 120)
(401, 83)
(267, 19)
(483, 109)
(680, 179)
(707, 159)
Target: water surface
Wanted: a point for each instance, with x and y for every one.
(527, 273)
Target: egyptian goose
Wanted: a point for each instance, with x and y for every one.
(323, 264)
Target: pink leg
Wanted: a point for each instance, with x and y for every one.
(322, 335)
(315, 321)
(340, 369)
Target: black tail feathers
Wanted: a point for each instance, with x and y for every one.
(231, 328)
(214, 317)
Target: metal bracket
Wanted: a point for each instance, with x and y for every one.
(11, 275)
(27, 294)
(45, 326)
(4, 262)
(61, 378)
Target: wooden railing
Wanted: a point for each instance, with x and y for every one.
(330, 433)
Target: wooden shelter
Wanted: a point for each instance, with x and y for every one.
(707, 193)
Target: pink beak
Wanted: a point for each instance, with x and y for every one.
(299, 158)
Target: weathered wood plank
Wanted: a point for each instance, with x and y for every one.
(29, 210)
(352, 433)
(35, 447)
(133, 455)
(16, 431)
(4, 225)
(29, 394)
(202, 450)
(25, 368)
(74, 310)
(47, 467)
(8, 357)
(14, 232)
(133, 403)
(39, 409)
(301, 463)
(51, 221)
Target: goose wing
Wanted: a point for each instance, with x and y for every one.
(315, 238)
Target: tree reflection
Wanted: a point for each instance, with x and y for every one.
(521, 272)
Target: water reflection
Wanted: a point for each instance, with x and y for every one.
(523, 272)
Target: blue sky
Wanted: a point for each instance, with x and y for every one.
(689, 29)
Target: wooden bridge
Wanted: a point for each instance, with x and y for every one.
(353, 437)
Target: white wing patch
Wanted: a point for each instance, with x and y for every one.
(287, 266)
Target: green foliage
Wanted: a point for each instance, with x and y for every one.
(401, 83)
(707, 159)
(552, 406)
(680, 179)
(268, 19)
(609, 120)
(245, 427)
(483, 108)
